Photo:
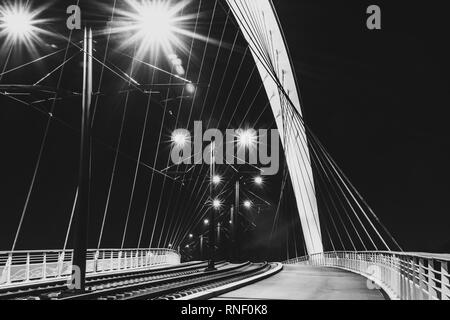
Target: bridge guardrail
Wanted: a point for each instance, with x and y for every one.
(403, 276)
(21, 267)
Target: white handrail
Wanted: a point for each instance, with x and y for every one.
(403, 276)
(22, 267)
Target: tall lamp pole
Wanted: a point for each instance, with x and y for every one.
(212, 234)
(84, 178)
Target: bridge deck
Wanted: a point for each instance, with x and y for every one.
(308, 283)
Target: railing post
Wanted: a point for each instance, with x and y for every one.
(415, 276)
(445, 278)
(27, 268)
(432, 293)
(423, 279)
(44, 266)
(95, 269)
(7, 270)
(119, 260)
(61, 263)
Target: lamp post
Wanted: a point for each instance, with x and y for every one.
(212, 234)
(84, 177)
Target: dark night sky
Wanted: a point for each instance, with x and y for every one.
(377, 100)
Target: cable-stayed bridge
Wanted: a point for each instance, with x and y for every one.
(122, 214)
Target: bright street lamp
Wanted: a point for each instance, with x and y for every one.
(217, 180)
(258, 180)
(247, 204)
(206, 222)
(247, 138)
(217, 204)
(19, 23)
(180, 138)
(190, 88)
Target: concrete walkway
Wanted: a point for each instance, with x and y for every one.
(308, 283)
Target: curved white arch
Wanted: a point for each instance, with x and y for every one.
(260, 26)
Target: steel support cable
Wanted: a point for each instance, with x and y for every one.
(233, 84)
(294, 176)
(216, 59)
(29, 63)
(144, 131)
(125, 77)
(258, 51)
(318, 157)
(328, 210)
(201, 68)
(211, 76)
(256, 31)
(41, 150)
(297, 177)
(56, 69)
(69, 227)
(287, 127)
(193, 200)
(164, 180)
(152, 66)
(358, 204)
(191, 209)
(202, 200)
(97, 141)
(291, 103)
(6, 62)
(253, 38)
(202, 165)
(237, 105)
(196, 221)
(327, 191)
(315, 152)
(172, 189)
(282, 191)
(178, 202)
(105, 56)
(268, 37)
(259, 32)
(348, 202)
(115, 163)
(224, 74)
(208, 39)
(343, 207)
(286, 95)
(360, 197)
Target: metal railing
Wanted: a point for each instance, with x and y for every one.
(403, 276)
(21, 267)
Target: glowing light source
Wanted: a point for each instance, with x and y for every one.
(247, 204)
(216, 180)
(18, 23)
(206, 221)
(258, 180)
(247, 138)
(153, 24)
(180, 138)
(190, 88)
(191, 236)
(217, 204)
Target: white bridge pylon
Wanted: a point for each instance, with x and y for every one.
(260, 26)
